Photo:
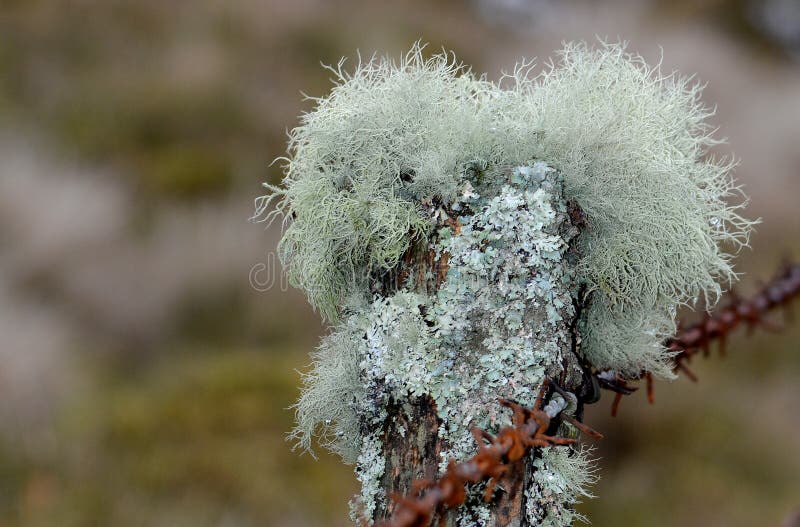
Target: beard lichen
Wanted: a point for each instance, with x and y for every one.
(560, 476)
(373, 167)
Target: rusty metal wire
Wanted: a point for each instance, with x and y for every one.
(495, 456)
(698, 337)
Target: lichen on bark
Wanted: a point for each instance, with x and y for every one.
(425, 216)
(493, 320)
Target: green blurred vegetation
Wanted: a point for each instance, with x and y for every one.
(178, 142)
(114, 84)
(718, 452)
(185, 104)
(193, 438)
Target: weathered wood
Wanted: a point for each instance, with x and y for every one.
(411, 447)
(508, 506)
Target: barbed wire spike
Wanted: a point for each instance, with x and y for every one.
(751, 312)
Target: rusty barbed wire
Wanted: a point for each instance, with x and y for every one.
(496, 454)
(698, 337)
(494, 458)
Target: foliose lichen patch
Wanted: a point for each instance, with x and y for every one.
(496, 327)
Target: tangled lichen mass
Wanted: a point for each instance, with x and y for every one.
(399, 152)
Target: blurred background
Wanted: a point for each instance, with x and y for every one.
(144, 380)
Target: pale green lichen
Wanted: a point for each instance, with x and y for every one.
(632, 145)
(385, 138)
(630, 142)
(375, 164)
(333, 390)
(561, 477)
(369, 469)
(471, 342)
(506, 270)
